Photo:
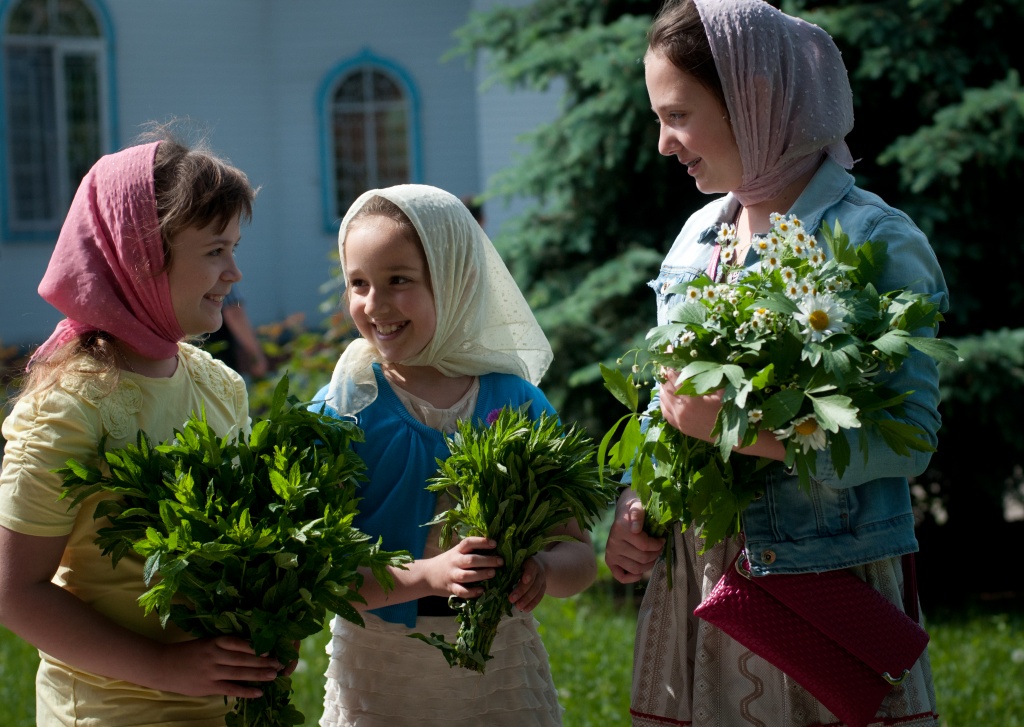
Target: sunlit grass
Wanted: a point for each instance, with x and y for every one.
(977, 657)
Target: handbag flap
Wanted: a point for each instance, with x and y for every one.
(854, 615)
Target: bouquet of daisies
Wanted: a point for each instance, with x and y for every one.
(251, 537)
(794, 345)
(513, 481)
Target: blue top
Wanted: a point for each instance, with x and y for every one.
(401, 454)
(865, 515)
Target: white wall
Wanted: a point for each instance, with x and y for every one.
(250, 71)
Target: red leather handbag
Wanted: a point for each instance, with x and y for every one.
(838, 637)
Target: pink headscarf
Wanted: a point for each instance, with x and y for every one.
(786, 89)
(107, 269)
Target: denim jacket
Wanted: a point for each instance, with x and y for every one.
(865, 515)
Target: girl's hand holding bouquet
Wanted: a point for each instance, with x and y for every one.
(797, 346)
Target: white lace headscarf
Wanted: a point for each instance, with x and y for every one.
(484, 325)
(786, 89)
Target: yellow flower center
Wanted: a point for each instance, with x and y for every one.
(818, 320)
(807, 428)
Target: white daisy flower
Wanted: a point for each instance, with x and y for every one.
(771, 262)
(821, 316)
(775, 218)
(754, 416)
(807, 433)
(807, 287)
(761, 245)
(793, 291)
(726, 234)
(693, 294)
(788, 275)
(759, 318)
(816, 258)
(687, 338)
(710, 294)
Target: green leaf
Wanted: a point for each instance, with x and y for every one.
(782, 407)
(835, 412)
(621, 387)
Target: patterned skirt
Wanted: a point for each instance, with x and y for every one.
(688, 672)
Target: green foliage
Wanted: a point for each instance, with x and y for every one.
(795, 346)
(514, 482)
(251, 537)
(938, 135)
(306, 356)
(605, 205)
(982, 397)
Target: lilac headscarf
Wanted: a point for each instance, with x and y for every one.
(107, 269)
(786, 89)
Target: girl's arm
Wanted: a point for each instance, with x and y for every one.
(58, 623)
(563, 569)
(452, 573)
(695, 417)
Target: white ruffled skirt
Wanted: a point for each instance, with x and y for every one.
(379, 677)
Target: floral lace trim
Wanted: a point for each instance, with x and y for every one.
(204, 370)
(117, 407)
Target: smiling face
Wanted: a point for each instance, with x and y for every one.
(201, 273)
(694, 126)
(389, 292)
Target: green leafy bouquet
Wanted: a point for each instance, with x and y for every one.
(512, 482)
(795, 346)
(250, 538)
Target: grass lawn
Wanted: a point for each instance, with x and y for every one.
(977, 658)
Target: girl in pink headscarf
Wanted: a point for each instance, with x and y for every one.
(756, 105)
(144, 260)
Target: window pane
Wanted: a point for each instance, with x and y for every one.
(32, 132)
(71, 18)
(392, 146)
(74, 18)
(384, 89)
(350, 168)
(371, 135)
(81, 83)
(29, 17)
(351, 89)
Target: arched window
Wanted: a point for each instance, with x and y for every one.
(371, 121)
(55, 100)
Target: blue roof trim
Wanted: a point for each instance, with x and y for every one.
(104, 19)
(364, 58)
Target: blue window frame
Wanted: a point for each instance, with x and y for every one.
(56, 101)
(369, 119)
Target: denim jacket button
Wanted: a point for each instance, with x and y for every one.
(758, 495)
(768, 557)
(665, 286)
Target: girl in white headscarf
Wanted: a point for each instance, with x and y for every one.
(756, 104)
(446, 335)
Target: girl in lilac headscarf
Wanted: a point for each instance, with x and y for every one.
(756, 104)
(144, 259)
